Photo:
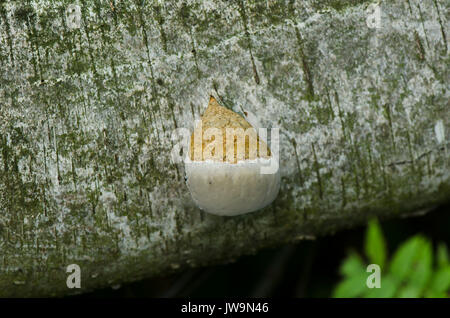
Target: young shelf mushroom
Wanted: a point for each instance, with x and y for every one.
(225, 166)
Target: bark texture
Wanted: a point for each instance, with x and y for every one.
(91, 91)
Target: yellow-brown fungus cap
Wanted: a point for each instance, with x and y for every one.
(225, 123)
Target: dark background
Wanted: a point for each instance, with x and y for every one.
(306, 269)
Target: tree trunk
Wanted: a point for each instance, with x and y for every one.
(90, 94)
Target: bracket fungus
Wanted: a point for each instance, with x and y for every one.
(229, 168)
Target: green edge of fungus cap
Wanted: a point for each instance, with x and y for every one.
(224, 167)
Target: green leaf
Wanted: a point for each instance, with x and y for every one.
(375, 246)
(422, 266)
(352, 265)
(440, 282)
(389, 286)
(442, 256)
(409, 291)
(412, 264)
(433, 294)
(350, 287)
(403, 259)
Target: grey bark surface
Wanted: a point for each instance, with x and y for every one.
(88, 103)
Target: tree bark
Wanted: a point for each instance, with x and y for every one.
(90, 94)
